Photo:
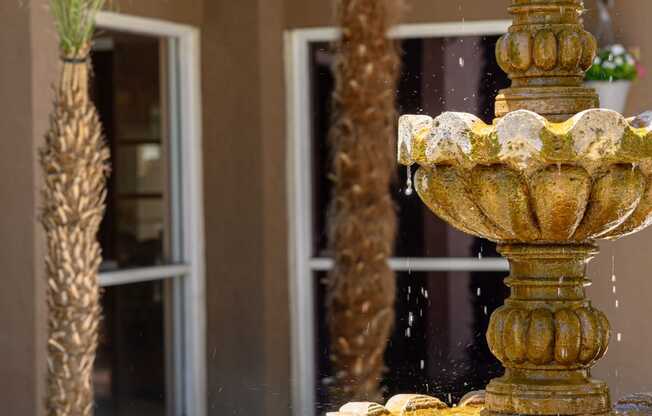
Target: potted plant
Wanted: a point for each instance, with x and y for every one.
(611, 75)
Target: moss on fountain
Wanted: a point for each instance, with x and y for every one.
(526, 179)
(523, 140)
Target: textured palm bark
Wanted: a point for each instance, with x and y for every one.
(75, 164)
(362, 219)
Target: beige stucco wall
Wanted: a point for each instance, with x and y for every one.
(311, 13)
(628, 365)
(25, 73)
(248, 334)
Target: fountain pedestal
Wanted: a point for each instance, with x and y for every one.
(547, 335)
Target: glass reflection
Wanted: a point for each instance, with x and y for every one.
(438, 74)
(438, 345)
(127, 92)
(130, 370)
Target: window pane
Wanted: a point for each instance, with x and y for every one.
(438, 345)
(141, 168)
(130, 370)
(438, 74)
(139, 231)
(127, 92)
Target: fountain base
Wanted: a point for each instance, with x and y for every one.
(547, 335)
(547, 394)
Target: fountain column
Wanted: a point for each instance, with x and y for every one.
(547, 335)
(546, 53)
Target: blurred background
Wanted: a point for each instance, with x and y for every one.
(214, 243)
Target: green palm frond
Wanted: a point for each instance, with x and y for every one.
(75, 22)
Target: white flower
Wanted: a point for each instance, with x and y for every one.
(597, 60)
(609, 65)
(617, 49)
(619, 61)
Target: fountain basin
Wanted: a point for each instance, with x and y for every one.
(528, 180)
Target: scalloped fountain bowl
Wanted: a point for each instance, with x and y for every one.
(527, 180)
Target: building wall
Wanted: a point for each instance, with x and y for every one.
(247, 326)
(626, 366)
(311, 13)
(178, 11)
(25, 72)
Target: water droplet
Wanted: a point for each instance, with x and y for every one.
(617, 304)
(613, 277)
(561, 281)
(485, 309)
(479, 291)
(410, 318)
(407, 332)
(408, 185)
(619, 337)
(461, 61)
(613, 289)
(422, 364)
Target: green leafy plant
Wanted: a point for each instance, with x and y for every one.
(614, 63)
(75, 22)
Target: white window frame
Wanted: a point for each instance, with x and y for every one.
(299, 141)
(188, 269)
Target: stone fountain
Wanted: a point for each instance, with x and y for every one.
(547, 179)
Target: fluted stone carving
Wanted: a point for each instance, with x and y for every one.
(525, 179)
(526, 54)
(567, 337)
(546, 53)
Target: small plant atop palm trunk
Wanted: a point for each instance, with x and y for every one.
(75, 165)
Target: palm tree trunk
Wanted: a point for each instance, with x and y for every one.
(75, 163)
(362, 219)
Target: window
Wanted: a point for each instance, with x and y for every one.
(151, 356)
(448, 283)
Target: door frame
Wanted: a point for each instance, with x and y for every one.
(189, 340)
